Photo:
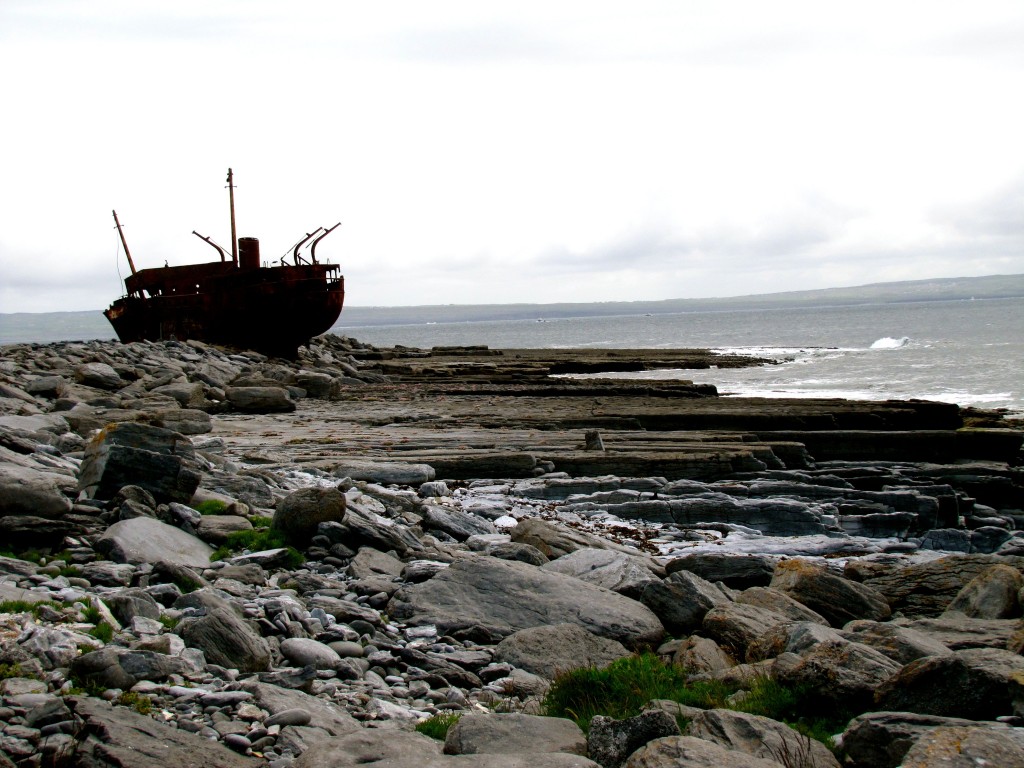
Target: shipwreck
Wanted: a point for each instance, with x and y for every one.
(234, 301)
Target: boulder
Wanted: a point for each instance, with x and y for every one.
(682, 600)
(300, 513)
(159, 460)
(626, 574)
(965, 747)
(881, 739)
(454, 522)
(901, 644)
(26, 491)
(495, 598)
(735, 626)
(701, 655)
(99, 375)
(548, 650)
(556, 540)
(514, 734)
(992, 594)
(215, 529)
(145, 540)
(760, 737)
(224, 637)
(974, 683)
(839, 600)
(691, 752)
(779, 602)
(384, 472)
(797, 637)
(323, 714)
(840, 674)
(927, 589)
(119, 736)
(735, 571)
(610, 742)
(957, 632)
(305, 651)
(260, 399)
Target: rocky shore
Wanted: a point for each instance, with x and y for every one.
(211, 558)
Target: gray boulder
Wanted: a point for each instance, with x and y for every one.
(881, 739)
(483, 595)
(119, 736)
(842, 674)
(760, 737)
(26, 491)
(300, 513)
(514, 734)
(224, 637)
(626, 574)
(735, 627)
(384, 472)
(145, 540)
(691, 752)
(965, 747)
(779, 602)
(839, 600)
(901, 644)
(159, 460)
(702, 655)
(323, 714)
(992, 594)
(975, 683)
(454, 522)
(958, 632)
(610, 742)
(548, 650)
(304, 651)
(99, 375)
(682, 600)
(556, 540)
(260, 399)
(735, 571)
(215, 529)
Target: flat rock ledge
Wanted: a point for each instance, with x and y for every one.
(462, 527)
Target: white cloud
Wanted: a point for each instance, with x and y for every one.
(514, 152)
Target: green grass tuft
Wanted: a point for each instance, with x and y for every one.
(211, 507)
(436, 726)
(621, 690)
(257, 541)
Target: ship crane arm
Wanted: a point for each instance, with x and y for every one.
(223, 255)
(312, 248)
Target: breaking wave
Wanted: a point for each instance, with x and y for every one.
(887, 342)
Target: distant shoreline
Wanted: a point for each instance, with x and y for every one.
(41, 327)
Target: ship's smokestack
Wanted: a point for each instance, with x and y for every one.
(248, 253)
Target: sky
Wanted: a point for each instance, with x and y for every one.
(503, 152)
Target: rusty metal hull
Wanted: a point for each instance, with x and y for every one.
(272, 310)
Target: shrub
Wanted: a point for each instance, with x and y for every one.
(436, 726)
(10, 670)
(621, 689)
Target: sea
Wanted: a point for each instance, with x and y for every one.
(969, 352)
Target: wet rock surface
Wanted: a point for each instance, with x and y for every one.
(465, 528)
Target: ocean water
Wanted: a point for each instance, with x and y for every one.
(969, 352)
(966, 352)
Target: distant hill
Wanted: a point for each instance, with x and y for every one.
(71, 326)
(947, 289)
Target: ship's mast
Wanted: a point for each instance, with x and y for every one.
(234, 236)
(124, 243)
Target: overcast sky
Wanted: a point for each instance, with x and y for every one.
(492, 152)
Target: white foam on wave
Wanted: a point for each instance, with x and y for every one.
(888, 342)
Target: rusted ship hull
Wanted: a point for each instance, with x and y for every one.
(272, 310)
(241, 302)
